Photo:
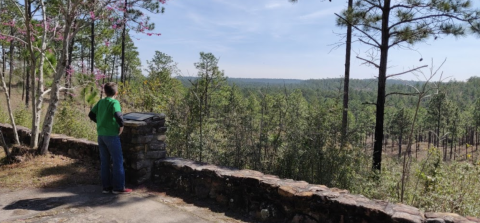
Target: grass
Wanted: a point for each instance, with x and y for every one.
(49, 171)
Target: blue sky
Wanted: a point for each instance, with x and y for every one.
(278, 39)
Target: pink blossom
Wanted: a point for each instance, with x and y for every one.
(92, 15)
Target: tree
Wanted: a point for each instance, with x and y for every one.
(70, 12)
(438, 110)
(132, 12)
(383, 25)
(161, 66)
(2, 75)
(210, 79)
(10, 112)
(400, 123)
(346, 79)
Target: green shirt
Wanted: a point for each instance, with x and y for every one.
(105, 110)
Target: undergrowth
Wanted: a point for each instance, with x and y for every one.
(71, 122)
(432, 185)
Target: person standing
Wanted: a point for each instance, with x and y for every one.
(107, 113)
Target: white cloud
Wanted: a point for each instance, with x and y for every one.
(273, 6)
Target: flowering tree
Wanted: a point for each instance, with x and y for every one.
(53, 28)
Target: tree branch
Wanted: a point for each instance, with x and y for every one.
(364, 33)
(428, 17)
(401, 93)
(367, 43)
(408, 71)
(369, 103)
(370, 62)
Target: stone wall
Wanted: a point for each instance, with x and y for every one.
(143, 142)
(265, 197)
(272, 199)
(59, 144)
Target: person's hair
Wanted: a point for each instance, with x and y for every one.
(110, 88)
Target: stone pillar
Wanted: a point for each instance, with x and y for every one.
(143, 142)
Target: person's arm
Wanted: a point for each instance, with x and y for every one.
(118, 116)
(93, 113)
(92, 116)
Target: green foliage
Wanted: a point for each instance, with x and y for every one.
(73, 123)
(447, 187)
(22, 117)
(4, 117)
(162, 66)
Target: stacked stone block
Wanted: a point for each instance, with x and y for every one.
(272, 199)
(59, 144)
(143, 142)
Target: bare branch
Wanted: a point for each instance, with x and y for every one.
(370, 62)
(364, 33)
(401, 93)
(369, 103)
(408, 71)
(45, 92)
(367, 43)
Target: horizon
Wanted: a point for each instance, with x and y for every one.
(327, 78)
(283, 40)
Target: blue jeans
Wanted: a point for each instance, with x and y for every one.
(111, 152)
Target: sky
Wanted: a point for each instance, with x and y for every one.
(279, 39)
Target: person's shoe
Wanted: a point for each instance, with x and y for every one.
(107, 190)
(124, 191)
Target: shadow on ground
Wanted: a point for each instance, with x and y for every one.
(204, 203)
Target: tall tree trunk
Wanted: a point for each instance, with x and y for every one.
(113, 68)
(12, 49)
(23, 79)
(451, 147)
(33, 63)
(429, 139)
(400, 146)
(437, 139)
(4, 61)
(92, 53)
(346, 80)
(104, 77)
(40, 88)
(10, 112)
(55, 90)
(27, 84)
(82, 59)
(4, 144)
(69, 70)
(122, 69)
(92, 44)
(382, 80)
